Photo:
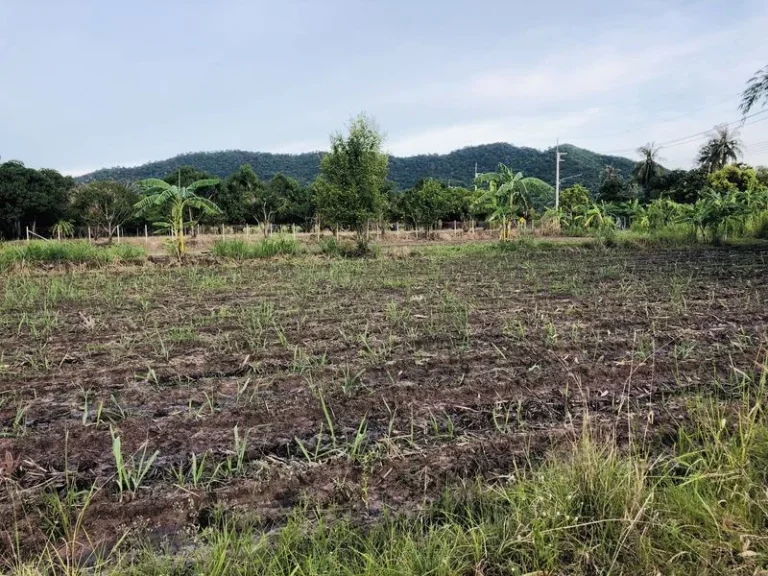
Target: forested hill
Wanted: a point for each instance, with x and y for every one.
(457, 167)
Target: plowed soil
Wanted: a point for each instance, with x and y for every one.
(372, 385)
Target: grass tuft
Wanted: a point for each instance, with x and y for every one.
(276, 245)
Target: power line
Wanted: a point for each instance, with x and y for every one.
(670, 119)
(706, 134)
(696, 136)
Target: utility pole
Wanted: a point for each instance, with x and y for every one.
(558, 157)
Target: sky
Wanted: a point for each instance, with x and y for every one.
(92, 84)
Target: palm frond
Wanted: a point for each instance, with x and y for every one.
(205, 183)
(154, 184)
(757, 89)
(203, 204)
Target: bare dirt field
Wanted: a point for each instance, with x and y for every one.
(372, 384)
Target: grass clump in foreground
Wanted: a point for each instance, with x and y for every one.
(74, 251)
(700, 508)
(275, 245)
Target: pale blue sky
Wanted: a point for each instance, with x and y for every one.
(90, 84)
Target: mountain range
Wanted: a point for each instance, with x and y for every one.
(458, 167)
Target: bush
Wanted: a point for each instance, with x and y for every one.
(78, 252)
(333, 247)
(275, 245)
(330, 247)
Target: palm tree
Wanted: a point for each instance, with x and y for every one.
(723, 148)
(506, 196)
(757, 89)
(160, 193)
(648, 167)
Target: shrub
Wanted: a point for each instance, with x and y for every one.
(269, 247)
(333, 247)
(330, 247)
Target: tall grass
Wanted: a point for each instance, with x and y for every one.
(78, 252)
(275, 245)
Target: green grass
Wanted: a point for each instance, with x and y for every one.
(74, 251)
(276, 245)
(700, 508)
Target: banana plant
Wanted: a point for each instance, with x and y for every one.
(595, 217)
(63, 229)
(180, 199)
(506, 197)
(559, 218)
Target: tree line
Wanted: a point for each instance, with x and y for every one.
(352, 190)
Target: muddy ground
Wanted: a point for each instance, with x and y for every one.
(372, 385)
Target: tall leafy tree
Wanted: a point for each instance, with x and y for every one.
(105, 205)
(723, 147)
(576, 195)
(352, 176)
(756, 90)
(458, 203)
(31, 198)
(734, 178)
(613, 187)
(178, 199)
(236, 193)
(295, 202)
(648, 168)
(266, 200)
(425, 204)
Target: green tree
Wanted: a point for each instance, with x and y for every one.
(425, 204)
(235, 195)
(648, 168)
(352, 175)
(178, 198)
(734, 178)
(266, 200)
(613, 187)
(186, 175)
(105, 205)
(458, 203)
(723, 148)
(576, 195)
(756, 90)
(761, 173)
(31, 198)
(297, 206)
(683, 186)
